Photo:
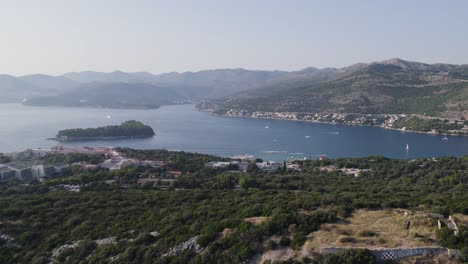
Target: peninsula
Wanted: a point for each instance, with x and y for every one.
(394, 94)
(128, 129)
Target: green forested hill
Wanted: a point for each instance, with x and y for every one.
(128, 129)
(393, 86)
(115, 220)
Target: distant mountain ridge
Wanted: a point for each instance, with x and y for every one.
(205, 84)
(115, 76)
(187, 86)
(391, 86)
(58, 83)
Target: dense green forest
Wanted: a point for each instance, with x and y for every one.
(206, 208)
(426, 125)
(126, 129)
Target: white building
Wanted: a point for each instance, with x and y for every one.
(269, 166)
(118, 163)
(40, 171)
(6, 174)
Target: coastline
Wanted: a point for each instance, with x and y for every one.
(95, 138)
(331, 123)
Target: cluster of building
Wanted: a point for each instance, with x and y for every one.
(31, 154)
(25, 172)
(117, 162)
(26, 169)
(266, 166)
(239, 165)
(269, 166)
(262, 114)
(348, 171)
(386, 120)
(381, 120)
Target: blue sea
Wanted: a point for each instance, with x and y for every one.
(181, 127)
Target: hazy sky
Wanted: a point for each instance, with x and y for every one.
(54, 37)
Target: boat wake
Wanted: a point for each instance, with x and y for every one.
(274, 151)
(331, 133)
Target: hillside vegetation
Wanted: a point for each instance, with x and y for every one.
(389, 87)
(128, 129)
(202, 219)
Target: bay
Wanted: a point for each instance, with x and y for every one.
(181, 127)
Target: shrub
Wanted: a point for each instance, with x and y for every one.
(298, 239)
(344, 232)
(348, 240)
(285, 241)
(367, 233)
(382, 240)
(349, 256)
(271, 245)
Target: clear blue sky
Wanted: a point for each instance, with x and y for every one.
(54, 37)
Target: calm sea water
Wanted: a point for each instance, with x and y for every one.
(181, 127)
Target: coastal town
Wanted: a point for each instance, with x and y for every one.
(32, 164)
(390, 121)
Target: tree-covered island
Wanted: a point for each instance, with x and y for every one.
(128, 129)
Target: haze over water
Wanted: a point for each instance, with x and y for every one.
(180, 127)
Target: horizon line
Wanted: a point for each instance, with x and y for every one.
(227, 68)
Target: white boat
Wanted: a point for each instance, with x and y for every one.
(307, 136)
(109, 117)
(407, 147)
(267, 127)
(445, 138)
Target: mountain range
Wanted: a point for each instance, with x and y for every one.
(92, 88)
(391, 86)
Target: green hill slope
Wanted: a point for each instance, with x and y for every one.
(390, 87)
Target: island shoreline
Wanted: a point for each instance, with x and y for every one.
(127, 130)
(96, 138)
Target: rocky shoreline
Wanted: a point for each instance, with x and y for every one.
(94, 138)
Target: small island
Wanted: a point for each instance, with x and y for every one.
(128, 129)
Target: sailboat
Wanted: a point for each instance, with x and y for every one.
(407, 147)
